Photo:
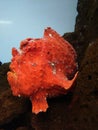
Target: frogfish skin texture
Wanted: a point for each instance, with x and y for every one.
(42, 68)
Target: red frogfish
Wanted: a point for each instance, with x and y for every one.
(42, 68)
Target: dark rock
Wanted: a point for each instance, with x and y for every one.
(86, 27)
(24, 128)
(87, 19)
(85, 110)
(11, 107)
(4, 68)
(0, 63)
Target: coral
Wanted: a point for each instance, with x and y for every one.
(44, 67)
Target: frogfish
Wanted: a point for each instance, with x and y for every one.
(42, 68)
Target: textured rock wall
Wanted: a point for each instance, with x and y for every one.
(86, 27)
(87, 19)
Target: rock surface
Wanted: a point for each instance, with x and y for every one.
(87, 19)
(78, 110)
(86, 27)
(85, 110)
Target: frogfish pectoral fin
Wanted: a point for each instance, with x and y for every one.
(66, 84)
(39, 103)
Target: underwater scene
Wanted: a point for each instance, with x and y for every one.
(49, 81)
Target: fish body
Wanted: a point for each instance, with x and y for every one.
(42, 68)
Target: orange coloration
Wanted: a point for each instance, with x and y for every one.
(43, 67)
